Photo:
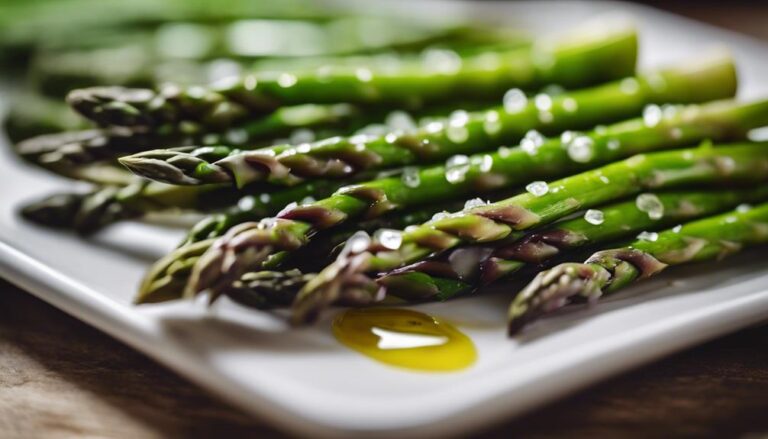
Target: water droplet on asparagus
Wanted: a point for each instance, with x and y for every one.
(357, 243)
(594, 217)
(650, 204)
(456, 168)
(389, 238)
(543, 102)
(531, 142)
(580, 149)
(400, 121)
(492, 124)
(648, 236)
(652, 115)
(515, 101)
(411, 177)
(538, 188)
(474, 202)
(457, 131)
(287, 80)
(363, 74)
(570, 105)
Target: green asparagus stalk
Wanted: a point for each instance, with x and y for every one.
(89, 212)
(465, 269)
(166, 279)
(463, 133)
(346, 280)
(79, 148)
(271, 289)
(248, 245)
(609, 271)
(579, 59)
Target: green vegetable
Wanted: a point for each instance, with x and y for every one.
(462, 133)
(503, 220)
(609, 271)
(464, 269)
(579, 59)
(250, 244)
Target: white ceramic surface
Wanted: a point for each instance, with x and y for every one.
(304, 381)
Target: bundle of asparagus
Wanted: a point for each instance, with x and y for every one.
(353, 176)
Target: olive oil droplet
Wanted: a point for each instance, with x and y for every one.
(405, 338)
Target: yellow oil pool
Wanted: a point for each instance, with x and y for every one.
(405, 338)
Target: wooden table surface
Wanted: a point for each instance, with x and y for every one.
(61, 378)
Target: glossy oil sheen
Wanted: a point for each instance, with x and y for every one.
(405, 338)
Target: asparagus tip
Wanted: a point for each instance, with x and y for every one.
(343, 282)
(58, 210)
(111, 105)
(552, 289)
(227, 259)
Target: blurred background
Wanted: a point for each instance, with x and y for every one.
(53, 46)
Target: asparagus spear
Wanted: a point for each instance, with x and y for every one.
(78, 148)
(579, 59)
(463, 133)
(464, 269)
(167, 277)
(609, 271)
(345, 279)
(89, 212)
(249, 244)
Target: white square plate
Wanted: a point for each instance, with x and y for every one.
(304, 381)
